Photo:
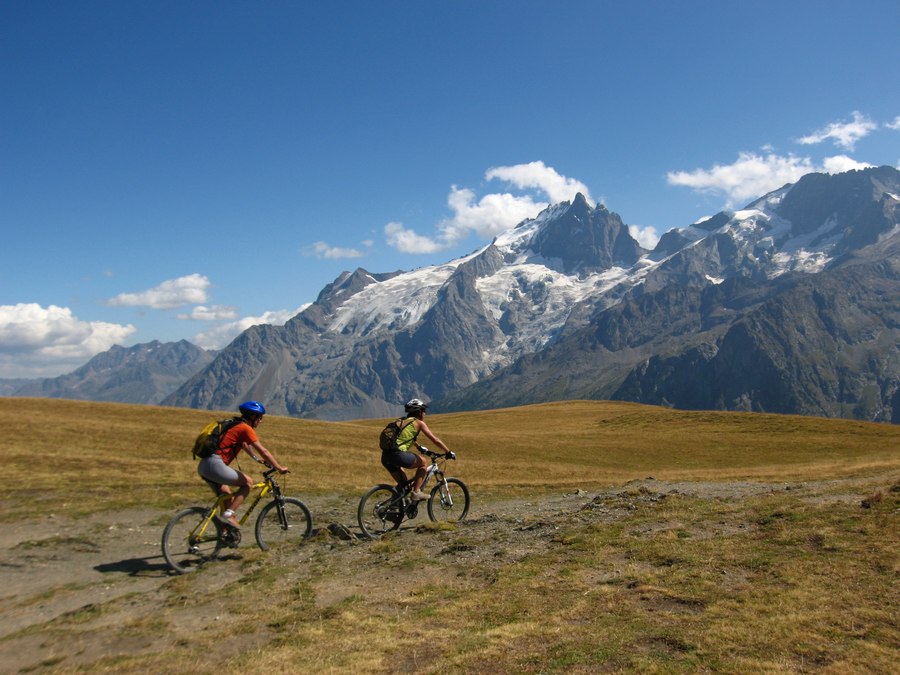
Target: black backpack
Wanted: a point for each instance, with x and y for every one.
(208, 440)
(387, 441)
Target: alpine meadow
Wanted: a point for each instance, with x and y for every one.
(603, 536)
(627, 272)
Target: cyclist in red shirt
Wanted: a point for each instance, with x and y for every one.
(215, 469)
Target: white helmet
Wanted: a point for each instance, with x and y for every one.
(415, 406)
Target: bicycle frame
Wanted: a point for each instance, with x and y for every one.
(264, 487)
(384, 507)
(435, 470)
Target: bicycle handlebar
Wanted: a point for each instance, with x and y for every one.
(271, 470)
(435, 455)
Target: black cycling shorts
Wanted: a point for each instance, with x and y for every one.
(398, 460)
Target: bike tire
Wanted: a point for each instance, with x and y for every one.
(182, 550)
(450, 505)
(271, 534)
(379, 511)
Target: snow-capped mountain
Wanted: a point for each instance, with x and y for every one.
(525, 290)
(474, 332)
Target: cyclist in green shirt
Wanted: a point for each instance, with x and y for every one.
(403, 458)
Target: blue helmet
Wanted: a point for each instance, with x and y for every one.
(252, 408)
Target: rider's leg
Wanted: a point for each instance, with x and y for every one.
(219, 476)
(394, 464)
(246, 482)
(421, 471)
(243, 482)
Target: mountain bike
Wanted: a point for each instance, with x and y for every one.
(384, 507)
(196, 535)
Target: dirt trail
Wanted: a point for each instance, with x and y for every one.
(57, 568)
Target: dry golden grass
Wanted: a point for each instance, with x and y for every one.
(788, 585)
(783, 580)
(127, 455)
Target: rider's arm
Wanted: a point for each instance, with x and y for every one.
(267, 457)
(423, 428)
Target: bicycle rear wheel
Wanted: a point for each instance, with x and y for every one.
(449, 502)
(272, 533)
(379, 511)
(184, 547)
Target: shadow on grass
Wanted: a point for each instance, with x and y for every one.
(152, 566)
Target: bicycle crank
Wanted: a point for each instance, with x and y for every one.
(231, 537)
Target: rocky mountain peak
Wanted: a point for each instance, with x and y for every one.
(346, 286)
(859, 205)
(584, 240)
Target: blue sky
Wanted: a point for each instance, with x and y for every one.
(176, 170)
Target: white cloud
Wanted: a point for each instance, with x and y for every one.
(895, 125)
(645, 236)
(220, 336)
(844, 134)
(841, 163)
(44, 342)
(323, 250)
(541, 177)
(754, 175)
(188, 290)
(487, 217)
(213, 313)
(407, 241)
(491, 214)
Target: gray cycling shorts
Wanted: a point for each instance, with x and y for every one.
(213, 470)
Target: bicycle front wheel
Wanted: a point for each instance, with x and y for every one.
(379, 511)
(449, 500)
(186, 544)
(277, 533)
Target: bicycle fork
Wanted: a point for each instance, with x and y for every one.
(446, 497)
(282, 513)
(443, 488)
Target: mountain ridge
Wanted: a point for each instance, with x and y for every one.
(444, 332)
(143, 373)
(789, 304)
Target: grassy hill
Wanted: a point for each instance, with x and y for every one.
(762, 543)
(131, 455)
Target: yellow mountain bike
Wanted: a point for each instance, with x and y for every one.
(195, 535)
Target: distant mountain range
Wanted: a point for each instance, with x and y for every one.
(145, 373)
(789, 305)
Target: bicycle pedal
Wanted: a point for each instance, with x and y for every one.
(227, 523)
